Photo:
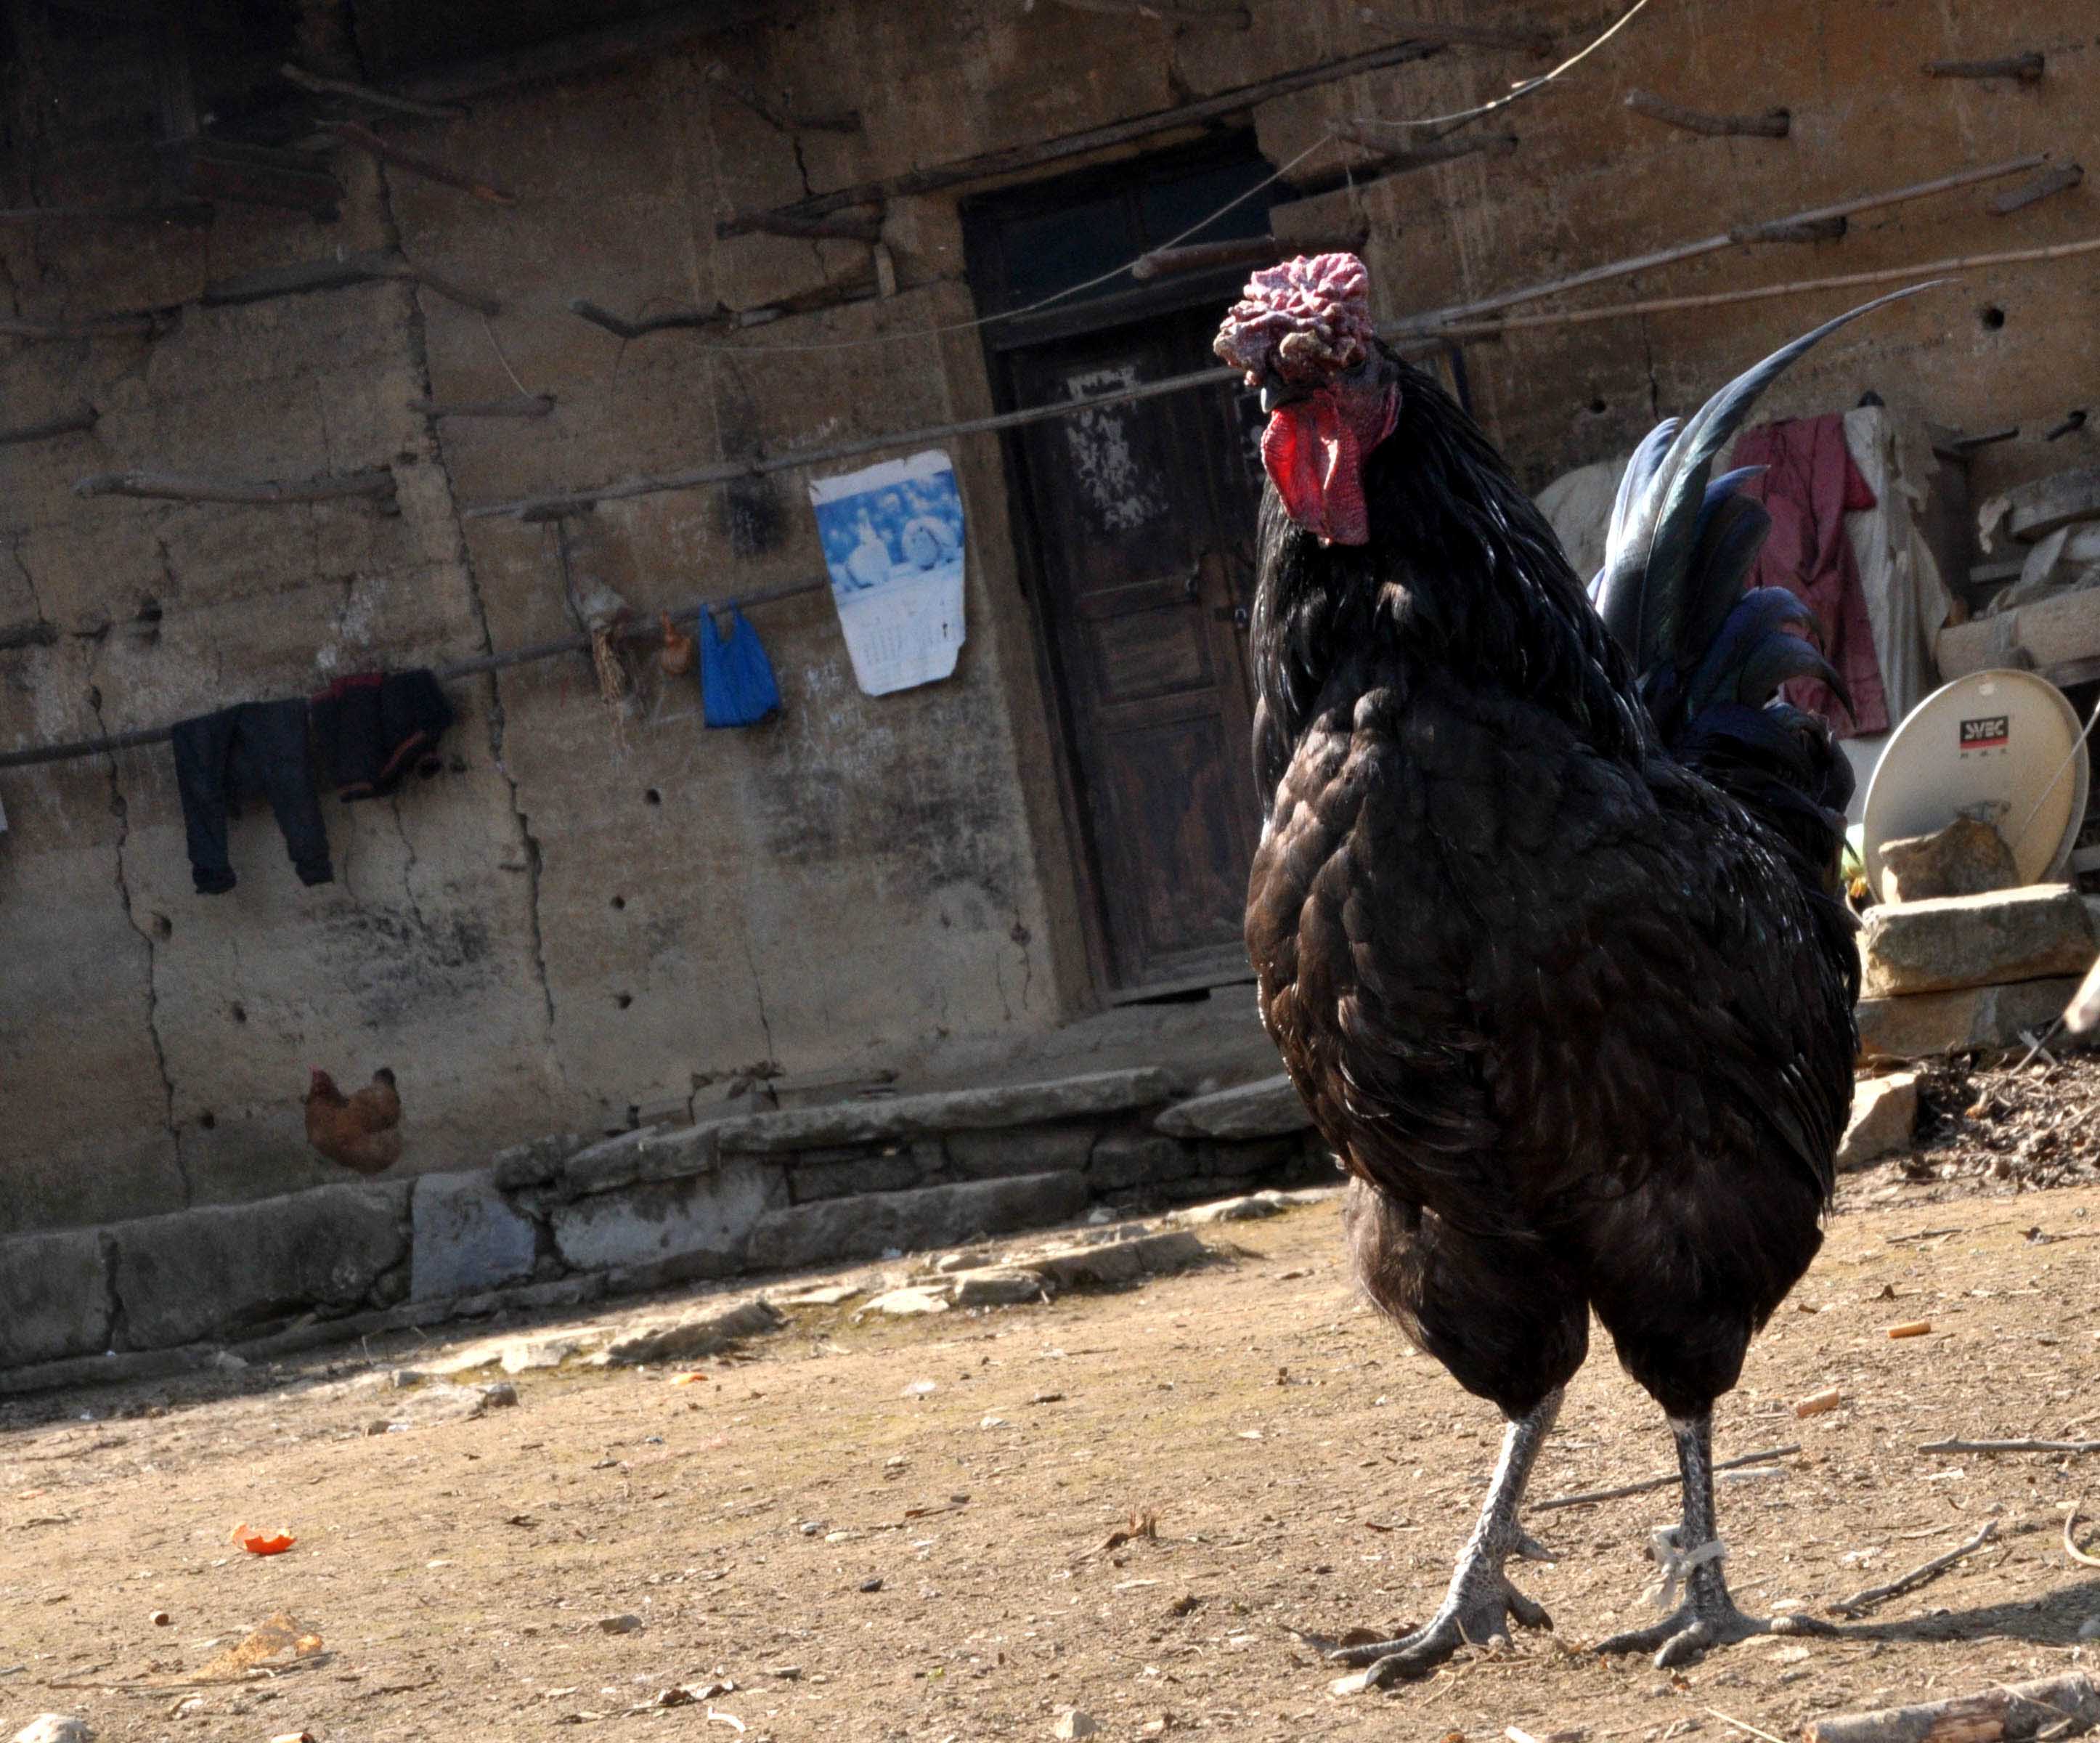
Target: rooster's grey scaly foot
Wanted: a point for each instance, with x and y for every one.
(1480, 1617)
(1707, 1617)
(1689, 1632)
(1481, 1603)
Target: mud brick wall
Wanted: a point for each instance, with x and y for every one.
(562, 934)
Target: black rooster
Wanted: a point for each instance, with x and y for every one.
(1545, 914)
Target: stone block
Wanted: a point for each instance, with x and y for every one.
(1271, 1108)
(996, 1286)
(1250, 1158)
(2035, 510)
(1096, 1093)
(1968, 858)
(702, 1220)
(54, 1297)
(1250, 1208)
(534, 1163)
(1110, 1263)
(1884, 1119)
(686, 1336)
(1125, 1159)
(873, 1224)
(1981, 1018)
(653, 1153)
(1019, 1149)
(212, 1272)
(467, 1237)
(1989, 940)
(863, 1171)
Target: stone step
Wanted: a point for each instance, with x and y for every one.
(1975, 1019)
(1270, 1108)
(872, 1121)
(835, 1229)
(1994, 939)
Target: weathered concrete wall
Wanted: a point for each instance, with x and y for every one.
(560, 929)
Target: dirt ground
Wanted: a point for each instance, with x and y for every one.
(894, 1529)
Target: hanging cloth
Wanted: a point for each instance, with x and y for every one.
(254, 748)
(737, 686)
(373, 729)
(1810, 484)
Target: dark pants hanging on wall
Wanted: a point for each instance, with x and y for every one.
(254, 748)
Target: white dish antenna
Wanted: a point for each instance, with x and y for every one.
(2003, 745)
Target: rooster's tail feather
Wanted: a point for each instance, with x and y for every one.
(1710, 656)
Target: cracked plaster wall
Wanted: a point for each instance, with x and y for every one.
(533, 941)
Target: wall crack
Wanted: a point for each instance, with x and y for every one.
(419, 359)
(121, 810)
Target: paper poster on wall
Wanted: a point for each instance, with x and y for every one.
(892, 536)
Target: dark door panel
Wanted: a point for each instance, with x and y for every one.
(1140, 509)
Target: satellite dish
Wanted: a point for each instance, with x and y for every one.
(2005, 740)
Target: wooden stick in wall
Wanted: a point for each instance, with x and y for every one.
(387, 152)
(1923, 269)
(2026, 68)
(2055, 180)
(81, 418)
(364, 94)
(377, 484)
(1773, 124)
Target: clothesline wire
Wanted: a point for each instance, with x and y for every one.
(1041, 303)
(451, 672)
(1523, 90)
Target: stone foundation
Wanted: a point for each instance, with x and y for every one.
(565, 1220)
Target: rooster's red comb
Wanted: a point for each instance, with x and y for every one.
(1308, 320)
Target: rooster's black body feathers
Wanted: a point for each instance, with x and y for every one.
(1545, 914)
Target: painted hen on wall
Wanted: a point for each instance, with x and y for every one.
(1545, 914)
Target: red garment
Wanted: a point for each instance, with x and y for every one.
(1810, 486)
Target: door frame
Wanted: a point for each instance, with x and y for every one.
(1003, 338)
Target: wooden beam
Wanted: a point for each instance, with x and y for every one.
(256, 175)
(1774, 124)
(377, 484)
(81, 418)
(622, 329)
(1394, 158)
(1427, 40)
(859, 288)
(386, 152)
(786, 121)
(840, 229)
(1830, 229)
(1252, 251)
(144, 325)
(1169, 11)
(579, 54)
(2055, 180)
(306, 276)
(364, 94)
(1456, 311)
(522, 405)
(2026, 68)
(193, 213)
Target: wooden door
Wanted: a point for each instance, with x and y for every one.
(1143, 518)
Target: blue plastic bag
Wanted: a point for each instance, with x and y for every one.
(737, 686)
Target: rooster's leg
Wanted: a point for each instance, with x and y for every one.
(1693, 1555)
(1477, 1607)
